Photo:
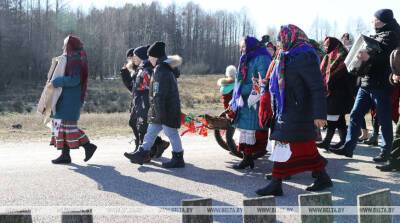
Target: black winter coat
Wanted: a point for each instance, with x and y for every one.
(378, 66)
(341, 87)
(305, 100)
(165, 104)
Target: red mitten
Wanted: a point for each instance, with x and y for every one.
(265, 111)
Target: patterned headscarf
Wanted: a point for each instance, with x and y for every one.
(76, 56)
(293, 41)
(253, 50)
(334, 59)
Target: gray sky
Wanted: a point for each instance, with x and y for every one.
(267, 13)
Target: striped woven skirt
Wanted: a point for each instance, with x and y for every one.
(66, 134)
(305, 157)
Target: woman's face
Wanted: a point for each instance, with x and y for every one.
(129, 59)
(136, 60)
(153, 60)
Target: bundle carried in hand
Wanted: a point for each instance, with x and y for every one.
(49, 97)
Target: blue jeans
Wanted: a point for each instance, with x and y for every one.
(152, 132)
(365, 99)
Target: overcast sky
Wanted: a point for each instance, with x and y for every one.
(265, 13)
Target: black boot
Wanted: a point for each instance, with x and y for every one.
(325, 144)
(246, 161)
(139, 157)
(394, 164)
(162, 145)
(259, 154)
(89, 150)
(342, 136)
(321, 182)
(176, 161)
(64, 158)
(372, 140)
(274, 188)
(383, 157)
(269, 177)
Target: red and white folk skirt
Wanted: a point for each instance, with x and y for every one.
(305, 157)
(66, 134)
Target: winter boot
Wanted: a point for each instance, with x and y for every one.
(89, 150)
(161, 147)
(327, 140)
(64, 158)
(269, 177)
(176, 161)
(246, 161)
(139, 157)
(274, 188)
(342, 136)
(364, 135)
(321, 182)
(394, 164)
(259, 154)
(382, 157)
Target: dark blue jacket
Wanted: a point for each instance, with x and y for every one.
(305, 100)
(165, 104)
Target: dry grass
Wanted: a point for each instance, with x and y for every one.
(199, 95)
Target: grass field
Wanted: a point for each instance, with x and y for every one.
(106, 111)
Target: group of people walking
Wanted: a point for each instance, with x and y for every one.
(278, 97)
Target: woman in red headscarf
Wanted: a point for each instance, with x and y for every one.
(340, 87)
(298, 105)
(65, 134)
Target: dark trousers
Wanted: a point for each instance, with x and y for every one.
(365, 99)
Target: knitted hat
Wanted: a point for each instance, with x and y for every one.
(157, 50)
(141, 52)
(230, 71)
(129, 53)
(385, 15)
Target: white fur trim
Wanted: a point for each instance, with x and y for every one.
(174, 61)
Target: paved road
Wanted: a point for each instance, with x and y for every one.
(27, 178)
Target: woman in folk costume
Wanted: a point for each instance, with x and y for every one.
(340, 87)
(252, 68)
(298, 104)
(66, 135)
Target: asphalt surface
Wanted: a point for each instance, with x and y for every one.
(29, 180)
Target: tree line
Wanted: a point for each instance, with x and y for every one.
(32, 32)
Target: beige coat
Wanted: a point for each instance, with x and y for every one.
(48, 99)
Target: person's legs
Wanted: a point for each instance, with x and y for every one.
(373, 139)
(152, 132)
(143, 154)
(177, 160)
(342, 128)
(174, 138)
(133, 125)
(361, 106)
(330, 132)
(384, 113)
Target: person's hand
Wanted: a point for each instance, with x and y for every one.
(50, 85)
(396, 78)
(363, 55)
(320, 123)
